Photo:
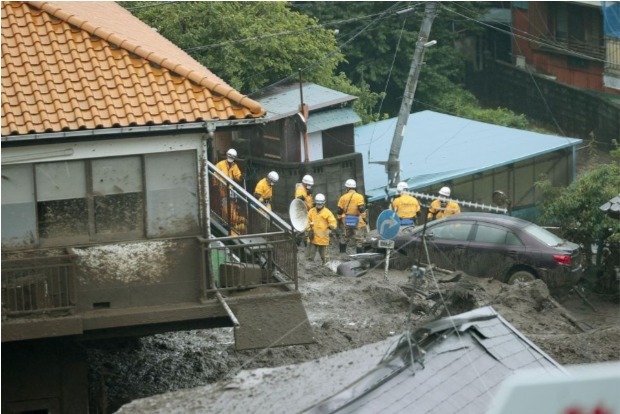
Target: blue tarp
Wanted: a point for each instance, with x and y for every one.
(611, 18)
(438, 148)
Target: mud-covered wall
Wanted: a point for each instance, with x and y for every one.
(138, 274)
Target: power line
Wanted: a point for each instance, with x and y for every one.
(284, 33)
(527, 36)
(530, 74)
(329, 55)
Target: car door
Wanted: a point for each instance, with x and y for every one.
(493, 250)
(447, 244)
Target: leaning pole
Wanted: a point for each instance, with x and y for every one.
(393, 162)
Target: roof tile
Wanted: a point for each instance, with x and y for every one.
(71, 66)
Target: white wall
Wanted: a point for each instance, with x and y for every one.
(315, 147)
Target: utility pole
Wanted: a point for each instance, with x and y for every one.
(393, 163)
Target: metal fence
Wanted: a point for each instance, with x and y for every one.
(254, 247)
(236, 212)
(38, 285)
(244, 262)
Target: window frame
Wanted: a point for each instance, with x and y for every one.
(91, 235)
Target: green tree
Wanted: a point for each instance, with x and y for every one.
(576, 208)
(248, 44)
(378, 40)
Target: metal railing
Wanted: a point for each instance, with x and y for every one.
(574, 47)
(236, 212)
(255, 247)
(250, 261)
(32, 285)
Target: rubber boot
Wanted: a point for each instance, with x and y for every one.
(343, 248)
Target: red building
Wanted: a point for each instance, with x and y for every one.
(572, 42)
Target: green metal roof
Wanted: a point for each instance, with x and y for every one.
(437, 148)
(323, 120)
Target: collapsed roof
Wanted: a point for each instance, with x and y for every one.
(454, 364)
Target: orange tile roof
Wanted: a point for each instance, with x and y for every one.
(70, 66)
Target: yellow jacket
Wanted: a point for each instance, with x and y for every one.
(405, 206)
(437, 212)
(231, 170)
(263, 191)
(319, 222)
(349, 205)
(301, 191)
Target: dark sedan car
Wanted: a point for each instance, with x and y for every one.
(492, 245)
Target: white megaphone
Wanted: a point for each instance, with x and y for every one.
(298, 213)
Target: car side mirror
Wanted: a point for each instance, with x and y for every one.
(429, 235)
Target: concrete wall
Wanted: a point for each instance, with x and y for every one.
(579, 113)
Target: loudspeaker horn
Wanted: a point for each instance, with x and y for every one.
(298, 213)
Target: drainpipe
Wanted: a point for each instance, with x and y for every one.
(204, 178)
(574, 172)
(303, 108)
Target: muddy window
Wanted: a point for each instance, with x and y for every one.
(62, 210)
(496, 235)
(104, 199)
(172, 194)
(452, 231)
(19, 226)
(118, 196)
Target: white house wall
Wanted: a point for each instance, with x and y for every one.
(35, 180)
(315, 147)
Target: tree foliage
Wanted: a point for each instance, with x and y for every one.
(576, 208)
(361, 48)
(383, 46)
(248, 44)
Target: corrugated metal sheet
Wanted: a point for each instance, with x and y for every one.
(284, 101)
(331, 119)
(460, 373)
(438, 148)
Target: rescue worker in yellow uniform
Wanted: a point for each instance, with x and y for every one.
(264, 189)
(352, 215)
(303, 190)
(321, 222)
(229, 168)
(405, 205)
(443, 206)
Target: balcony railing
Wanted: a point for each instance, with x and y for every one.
(250, 261)
(573, 47)
(36, 285)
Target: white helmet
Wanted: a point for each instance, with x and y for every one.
(350, 183)
(308, 180)
(273, 177)
(445, 191)
(231, 153)
(319, 199)
(400, 187)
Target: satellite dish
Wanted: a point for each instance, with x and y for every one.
(499, 198)
(298, 213)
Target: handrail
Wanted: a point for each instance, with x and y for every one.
(246, 196)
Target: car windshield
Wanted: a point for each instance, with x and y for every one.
(544, 235)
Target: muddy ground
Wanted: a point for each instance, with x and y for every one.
(348, 312)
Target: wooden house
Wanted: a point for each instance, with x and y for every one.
(575, 42)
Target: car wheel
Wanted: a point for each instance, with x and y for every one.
(521, 276)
